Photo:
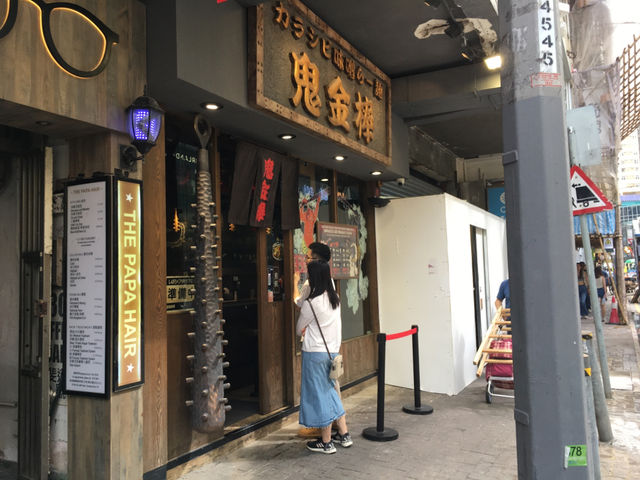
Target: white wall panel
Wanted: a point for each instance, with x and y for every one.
(425, 278)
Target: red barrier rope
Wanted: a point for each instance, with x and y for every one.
(393, 336)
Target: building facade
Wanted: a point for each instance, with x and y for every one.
(126, 270)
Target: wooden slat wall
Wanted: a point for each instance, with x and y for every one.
(30, 77)
(270, 337)
(155, 308)
(105, 436)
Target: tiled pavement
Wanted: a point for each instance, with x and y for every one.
(464, 438)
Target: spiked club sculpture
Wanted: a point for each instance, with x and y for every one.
(208, 381)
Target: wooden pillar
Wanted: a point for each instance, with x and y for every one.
(105, 435)
(155, 310)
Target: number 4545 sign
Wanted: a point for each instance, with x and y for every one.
(547, 37)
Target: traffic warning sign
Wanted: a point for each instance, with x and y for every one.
(585, 196)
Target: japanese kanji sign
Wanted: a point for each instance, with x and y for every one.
(305, 72)
(586, 197)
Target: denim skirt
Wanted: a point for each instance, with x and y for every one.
(319, 401)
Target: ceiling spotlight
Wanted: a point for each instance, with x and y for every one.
(339, 158)
(287, 136)
(324, 179)
(493, 63)
(375, 173)
(211, 106)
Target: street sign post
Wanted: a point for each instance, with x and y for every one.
(586, 197)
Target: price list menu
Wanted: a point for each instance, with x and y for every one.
(86, 332)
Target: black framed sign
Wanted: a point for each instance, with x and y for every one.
(128, 347)
(343, 242)
(87, 282)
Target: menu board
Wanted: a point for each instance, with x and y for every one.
(86, 288)
(343, 242)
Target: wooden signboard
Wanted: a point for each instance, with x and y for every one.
(343, 242)
(128, 347)
(302, 71)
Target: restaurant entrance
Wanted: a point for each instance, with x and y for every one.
(253, 307)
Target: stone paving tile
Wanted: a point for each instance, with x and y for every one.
(464, 438)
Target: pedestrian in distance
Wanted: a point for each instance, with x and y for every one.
(504, 295)
(601, 284)
(321, 321)
(583, 285)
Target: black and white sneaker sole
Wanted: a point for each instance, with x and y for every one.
(327, 451)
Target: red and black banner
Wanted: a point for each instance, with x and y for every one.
(256, 175)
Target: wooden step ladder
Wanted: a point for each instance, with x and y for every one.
(500, 328)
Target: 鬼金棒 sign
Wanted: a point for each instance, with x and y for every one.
(304, 72)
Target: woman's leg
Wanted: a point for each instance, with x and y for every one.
(582, 292)
(342, 425)
(326, 433)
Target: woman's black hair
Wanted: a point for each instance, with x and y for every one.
(598, 272)
(320, 282)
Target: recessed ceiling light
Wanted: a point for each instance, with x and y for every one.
(324, 179)
(376, 173)
(287, 136)
(43, 123)
(493, 63)
(211, 106)
(339, 158)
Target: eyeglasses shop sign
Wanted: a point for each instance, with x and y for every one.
(304, 72)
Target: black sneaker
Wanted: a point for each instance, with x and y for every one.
(321, 447)
(342, 440)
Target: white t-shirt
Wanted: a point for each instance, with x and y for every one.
(330, 322)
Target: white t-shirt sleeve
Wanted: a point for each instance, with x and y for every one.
(304, 294)
(305, 318)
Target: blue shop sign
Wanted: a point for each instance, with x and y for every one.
(496, 201)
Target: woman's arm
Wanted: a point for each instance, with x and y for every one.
(305, 318)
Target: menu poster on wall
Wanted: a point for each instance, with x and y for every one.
(128, 347)
(343, 242)
(87, 280)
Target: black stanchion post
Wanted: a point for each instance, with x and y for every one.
(379, 433)
(417, 408)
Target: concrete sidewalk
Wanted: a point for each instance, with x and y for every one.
(465, 438)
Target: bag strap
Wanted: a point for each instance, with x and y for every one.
(321, 334)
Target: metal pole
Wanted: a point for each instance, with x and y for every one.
(382, 347)
(416, 408)
(550, 414)
(594, 459)
(379, 433)
(619, 249)
(595, 305)
(599, 403)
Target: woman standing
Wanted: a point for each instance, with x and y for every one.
(320, 404)
(601, 283)
(582, 289)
